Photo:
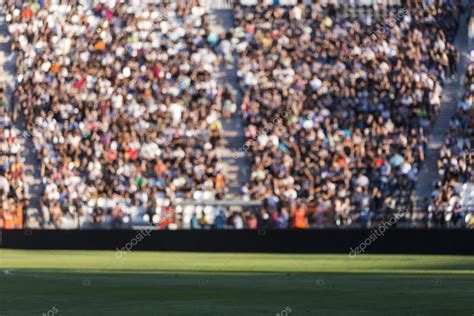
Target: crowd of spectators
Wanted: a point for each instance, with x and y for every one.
(125, 111)
(337, 109)
(123, 107)
(12, 181)
(455, 162)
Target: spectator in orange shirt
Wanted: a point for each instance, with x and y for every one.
(27, 13)
(299, 216)
(8, 220)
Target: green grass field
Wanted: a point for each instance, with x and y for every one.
(154, 283)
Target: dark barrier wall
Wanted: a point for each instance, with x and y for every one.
(419, 241)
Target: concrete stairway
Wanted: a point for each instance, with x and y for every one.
(32, 166)
(236, 163)
(453, 90)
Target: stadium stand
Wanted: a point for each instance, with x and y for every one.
(127, 111)
(452, 197)
(123, 108)
(350, 101)
(12, 184)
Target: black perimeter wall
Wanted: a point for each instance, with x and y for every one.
(406, 241)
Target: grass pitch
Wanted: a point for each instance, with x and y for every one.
(154, 283)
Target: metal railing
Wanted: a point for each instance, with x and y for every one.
(223, 203)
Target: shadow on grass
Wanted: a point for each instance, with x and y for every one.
(168, 292)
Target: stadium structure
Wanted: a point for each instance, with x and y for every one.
(188, 114)
(252, 157)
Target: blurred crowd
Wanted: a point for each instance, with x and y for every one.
(351, 102)
(455, 163)
(12, 181)
(125, 111)
(122, 104)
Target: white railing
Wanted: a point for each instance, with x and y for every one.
(467, 196)
(218, 4)
(471, 27)
(350, 3)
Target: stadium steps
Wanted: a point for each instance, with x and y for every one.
(453, 91)
(235, 159)
(32, 166)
